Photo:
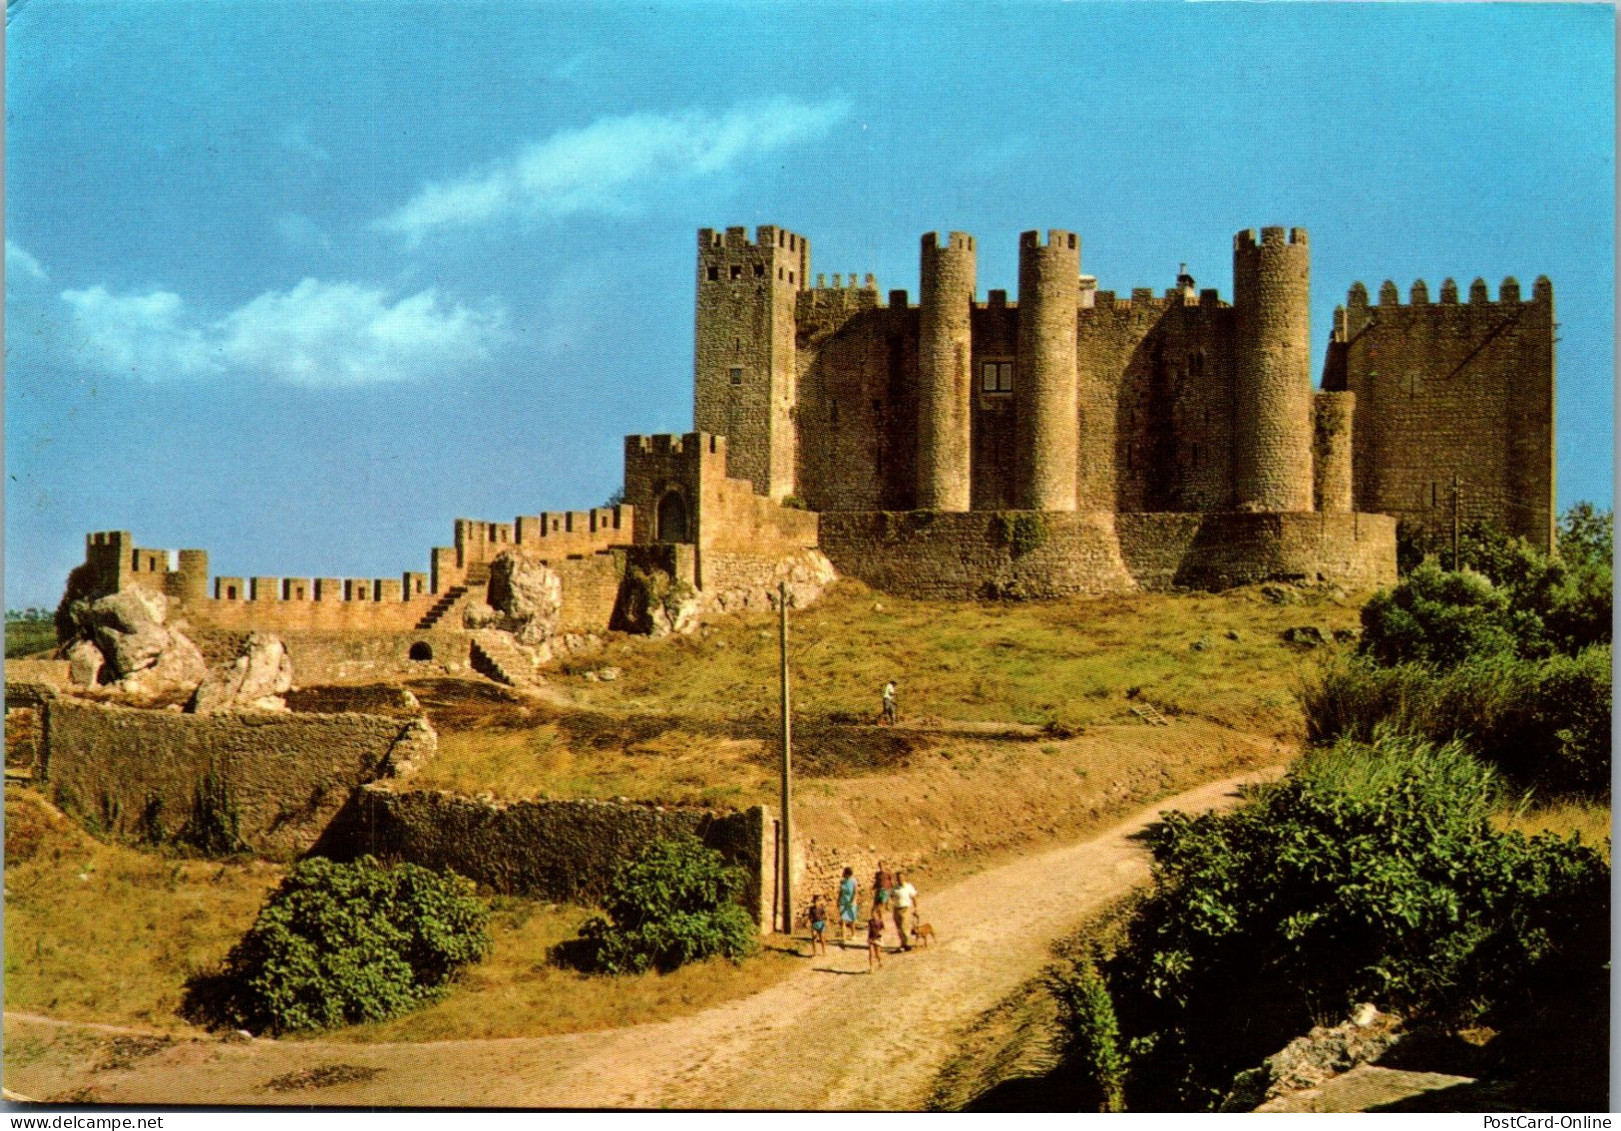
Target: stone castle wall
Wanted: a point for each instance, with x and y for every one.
(141, 774)
(1049, 555)
(1448, 388)
(562, 850)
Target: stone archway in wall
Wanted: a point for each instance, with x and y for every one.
(672, 518)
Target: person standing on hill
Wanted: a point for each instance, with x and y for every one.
(891, 715)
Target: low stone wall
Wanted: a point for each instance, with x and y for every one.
(977, 554)
(1022, 554)
(280, 778)
(562, 850)
(1227, 549)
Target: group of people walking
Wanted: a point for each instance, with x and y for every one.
(892, 895)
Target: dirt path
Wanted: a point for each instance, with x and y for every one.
(831, 1037)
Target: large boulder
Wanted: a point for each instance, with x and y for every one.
(525, 598)
(139, 652)
(255, 680)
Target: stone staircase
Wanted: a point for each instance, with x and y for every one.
(495, 655)
(440, 607)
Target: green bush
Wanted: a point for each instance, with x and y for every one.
(1543, 723)
(1371, 874)
(675, 903)
(1091, 1034)
(1438, 618)
(1534, 604)
(341, 944)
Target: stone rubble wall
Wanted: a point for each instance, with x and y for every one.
(137, 775)
(564, 850)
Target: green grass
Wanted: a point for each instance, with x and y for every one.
(104, 933)
(1069, 662)
(25, 637)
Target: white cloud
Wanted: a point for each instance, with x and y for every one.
(599, 167)
(20, 266)
(317, 334)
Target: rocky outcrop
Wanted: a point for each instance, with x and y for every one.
(138, 651)
(255, 680)
(524, 597)
(1309, 1061)
(806, 572)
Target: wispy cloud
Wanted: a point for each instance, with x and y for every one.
(601, 167)
(316, 334)
(20, 266)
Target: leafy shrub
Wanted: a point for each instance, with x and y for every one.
(1537, 604)
(1543, 723)
(1437, 617)
(1371, 874)
(675, 903)
(340, 944)
(1091, 1033)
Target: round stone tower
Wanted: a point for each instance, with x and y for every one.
(1331, 453)
(945, 345)
(1273, 396)
(1046, 428)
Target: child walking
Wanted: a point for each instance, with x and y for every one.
(875, 935)
(818, 923)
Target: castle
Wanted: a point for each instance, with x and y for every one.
(1069, 442)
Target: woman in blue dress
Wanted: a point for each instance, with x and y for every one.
(847, 905)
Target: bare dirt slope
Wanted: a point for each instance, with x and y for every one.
(830, 1037)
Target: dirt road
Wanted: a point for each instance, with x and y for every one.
(830, 1037)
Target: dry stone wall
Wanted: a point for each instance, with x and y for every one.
(1220, 551)
(279, 777)
(554, 849)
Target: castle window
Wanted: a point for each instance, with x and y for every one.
(230, 592)
(759, 270)
(779, 274)
(790, 276)
(737, 374)
(996, 377)
(737, 271)
(714, 274)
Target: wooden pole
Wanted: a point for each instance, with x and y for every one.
(786, 886)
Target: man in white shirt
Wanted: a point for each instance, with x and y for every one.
(904, 897)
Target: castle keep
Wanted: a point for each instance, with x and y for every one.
(1065, 441)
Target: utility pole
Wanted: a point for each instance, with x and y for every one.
(786, 883)
(1456, 500)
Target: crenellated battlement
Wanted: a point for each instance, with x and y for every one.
(1056, 238)
(1418, 294)
(765, 236)
(955, 241)
(1270, 237)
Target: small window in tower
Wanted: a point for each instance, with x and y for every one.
(759, 270)
(714, 274)
(737, 271)
(779, 274)
(790, 276)
(230, 592)
(996, 377)
(737, 374)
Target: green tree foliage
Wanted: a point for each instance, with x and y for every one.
(1543, 604)
(341, 944)
(1439, 618)
(675, 903)
(1370, 874)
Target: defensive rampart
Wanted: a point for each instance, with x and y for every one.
(1022, 554)
(553, 849)
(272, 781)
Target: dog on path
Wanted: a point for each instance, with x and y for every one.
(923, 933)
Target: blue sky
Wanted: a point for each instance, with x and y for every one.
(302, 283)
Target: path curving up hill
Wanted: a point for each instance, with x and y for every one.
(831, 1037)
